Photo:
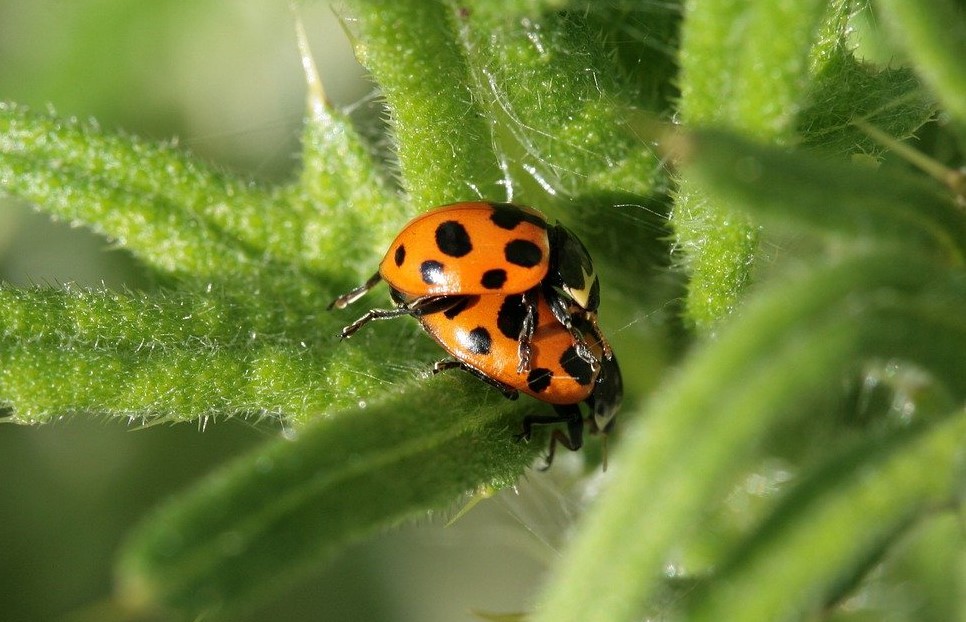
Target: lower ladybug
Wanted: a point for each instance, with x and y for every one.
(482, 334)
(481, 248)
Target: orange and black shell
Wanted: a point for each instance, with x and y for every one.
(469, 248)
(484, 333)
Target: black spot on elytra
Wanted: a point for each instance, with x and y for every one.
(578, 369)
(539, 379)
(508, 216)
(523, 253)
(493, 279)
(400, 255)
(431, 272)
(510, 317)
(452, 239)
(456, 309)
(478, 341)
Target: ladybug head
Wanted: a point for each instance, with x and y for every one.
(571, 269)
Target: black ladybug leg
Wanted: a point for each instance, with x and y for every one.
(372, 314)
(562, 313)
(525, 349)
(573, 439)
(604, 344)
(417, 306)
(348, 298)
(445, 364)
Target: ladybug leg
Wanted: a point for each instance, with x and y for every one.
(563, 315)
(604, 344)
(417, 306)
(348, 298)
(525, 349)
(445, 364)
(573, 439)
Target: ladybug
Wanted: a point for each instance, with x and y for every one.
(478, 248)
(482, 335)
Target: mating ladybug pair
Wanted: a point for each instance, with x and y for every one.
(514, 300)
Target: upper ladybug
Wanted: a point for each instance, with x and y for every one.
(469, 248)
(475, 248)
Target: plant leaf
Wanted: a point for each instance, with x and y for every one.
(869, 205)
(934, 35)
(844, 90)
(443, 144)
(187, 356)
(736, 73)
(837, 519)
(560, 119)
(185, 219)
(795, 340)
(171, 212)
(262, 521)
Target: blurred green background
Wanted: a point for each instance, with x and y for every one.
(224, 80)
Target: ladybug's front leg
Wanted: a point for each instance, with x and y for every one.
(348, 298)
(417, 306)
(445, 364)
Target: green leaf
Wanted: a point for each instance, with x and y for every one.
(171, 212)
(837, 519)
(736, 73)
(184, 218)
(181, 355)
(869, 205)
(443, 143)
(260, 522)
(934, 35)
(845, 90)
(796, 340)
(559, 118)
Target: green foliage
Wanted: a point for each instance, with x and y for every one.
(555, 104)
(337, 481)
(933, 37)
(873, 305)
(726, 47)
